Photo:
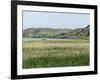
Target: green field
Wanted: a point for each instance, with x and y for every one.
(55, 53)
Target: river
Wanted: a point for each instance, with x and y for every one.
(30, 39)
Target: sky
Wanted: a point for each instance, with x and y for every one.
(38, 19)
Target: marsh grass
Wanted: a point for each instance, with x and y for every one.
(52, 53)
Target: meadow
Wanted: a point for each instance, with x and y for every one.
(55, 53)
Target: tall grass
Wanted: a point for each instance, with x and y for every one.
(52, 53)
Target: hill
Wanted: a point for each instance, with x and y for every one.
(79, 33)
(43, 32)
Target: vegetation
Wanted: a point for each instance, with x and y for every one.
(79, 33)
(72, 51)
(55, 53)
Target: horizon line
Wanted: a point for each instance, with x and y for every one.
(55, 27)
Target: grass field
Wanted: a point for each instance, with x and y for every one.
(55, 53)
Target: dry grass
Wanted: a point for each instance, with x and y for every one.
(36, 52)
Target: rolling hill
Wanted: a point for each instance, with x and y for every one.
(79, 33)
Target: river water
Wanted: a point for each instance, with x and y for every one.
(30, 39)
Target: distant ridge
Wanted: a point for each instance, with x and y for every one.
(78, 33)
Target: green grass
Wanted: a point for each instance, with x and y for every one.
(55, 53)
(56, 61)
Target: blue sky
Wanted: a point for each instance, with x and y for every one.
(37, 19)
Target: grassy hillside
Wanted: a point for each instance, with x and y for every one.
(79, 33)
(43, 32)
